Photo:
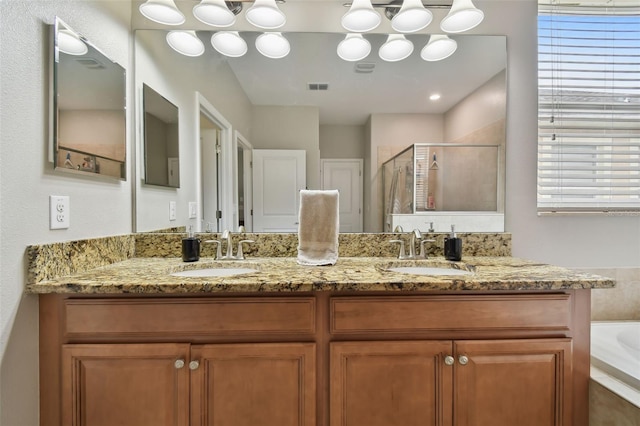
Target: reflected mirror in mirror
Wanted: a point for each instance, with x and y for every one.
(89, 99)
(161, 136)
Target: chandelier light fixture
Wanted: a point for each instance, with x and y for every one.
(185, 42)
(439, 47)
(229, 43)
(265, 14)
(70, 43)
(354, 47)
(463, 16)
(361, 17)
(215, 12)
(162, 11)
(412, 17)
(273, 45)
(396, 48)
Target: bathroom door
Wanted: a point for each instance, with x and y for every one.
(278, 177)
(345, 175)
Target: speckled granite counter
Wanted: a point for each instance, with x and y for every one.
(153, 275)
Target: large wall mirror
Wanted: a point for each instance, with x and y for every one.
(88, 124)
(161, 137)
(376, 100)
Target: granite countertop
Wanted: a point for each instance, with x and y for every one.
(282, 274)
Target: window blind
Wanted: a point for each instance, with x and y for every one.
(588, 108)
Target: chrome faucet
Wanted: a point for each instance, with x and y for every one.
(415, 235)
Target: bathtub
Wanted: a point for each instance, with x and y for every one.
(615, 357)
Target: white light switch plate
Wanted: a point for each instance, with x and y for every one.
(59, 212)
(172, 210)
(193, 207)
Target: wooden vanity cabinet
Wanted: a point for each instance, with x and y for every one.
(325, 359)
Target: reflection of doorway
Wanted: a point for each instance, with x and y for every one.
(210, 167)
(243, 184)
(278, 177)
(174, 171)
(345, 175)
(215, 183)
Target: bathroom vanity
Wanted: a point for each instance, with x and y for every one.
(349, 345)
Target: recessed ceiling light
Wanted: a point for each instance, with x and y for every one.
(434, 97)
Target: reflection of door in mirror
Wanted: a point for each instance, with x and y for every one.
(278, 177)
(243, 184)
(345, 175)
(210, 159)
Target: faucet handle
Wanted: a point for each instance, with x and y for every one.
(218, 249)
(239, 253)
(423, 253)
(401, 254)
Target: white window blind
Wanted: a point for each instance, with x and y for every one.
(588, 108)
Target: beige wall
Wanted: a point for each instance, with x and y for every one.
(621, 302)
(342, 141)
(77, 131)
(297, 127)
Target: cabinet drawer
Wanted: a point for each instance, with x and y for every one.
(166, 318)
(351, 315)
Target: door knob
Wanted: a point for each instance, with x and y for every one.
(449, 360)
(462, 359)
(193, 365)
(179, 363)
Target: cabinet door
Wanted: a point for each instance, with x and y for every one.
(514, 382)
(390, 383)
(260, 384)
(125, 385)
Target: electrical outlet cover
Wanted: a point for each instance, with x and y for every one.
(59, 212)
(172, 210)
(193, 209)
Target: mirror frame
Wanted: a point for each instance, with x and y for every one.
(87, 161)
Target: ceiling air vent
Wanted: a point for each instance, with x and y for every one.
(318, 86)
(91, 63)
(365, 67)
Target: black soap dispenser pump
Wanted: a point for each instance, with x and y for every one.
(452, 246)
(190, 248)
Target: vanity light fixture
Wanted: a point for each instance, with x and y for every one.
(162, 11)
(216, 12)
(70, 43)
(354, 47)
(361, 17)
(185, 42)
(229, 43)
(396, 48)
(265, 14)
(273, 45)
(439, 47)
(412, 17)
(463, 16)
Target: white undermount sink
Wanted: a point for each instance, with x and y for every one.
(213, 272)
(426, 270)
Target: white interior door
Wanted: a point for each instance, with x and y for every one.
(210, 147)
(278, 177)
(345, 176)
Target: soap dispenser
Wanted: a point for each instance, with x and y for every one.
(452, 246)
(190, 248)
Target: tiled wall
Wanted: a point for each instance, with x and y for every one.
(621, 302)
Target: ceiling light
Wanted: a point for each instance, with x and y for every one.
(412, 17)
(361, 17)
(70, 43)
(438, 48)
(185, 42)
(273, 45)
(265, 14)
(434, 97)
(229, 43)
(214, 12)
(162, 11)
(462, 17)
(354, 47)
(396, 48)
